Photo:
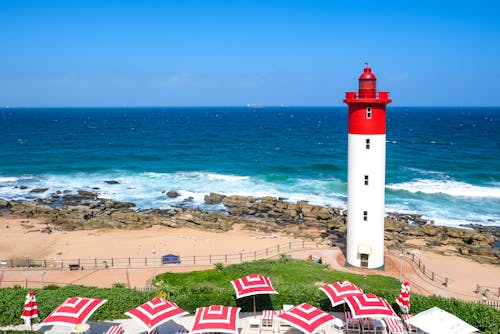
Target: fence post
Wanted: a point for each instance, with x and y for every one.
(112, 262)
(303, 244)
(129, 261)
(145, 261)
(225, 256)
(28, 262)
(290, 245)
(45, 263)
(210, 258)
(278, 248)
(95, 262)
(255, 255)
(446, 281)
(498, 292)
(241, 257)
(11, 263)
(62, 263)
(432, 276)
(194, 259)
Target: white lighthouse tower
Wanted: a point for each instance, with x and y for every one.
(366, 173)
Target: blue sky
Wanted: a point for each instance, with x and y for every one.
(230, 53)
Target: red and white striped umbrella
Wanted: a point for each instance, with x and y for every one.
(252, 285)
(306, 318)
(73, 311)
(155, 312)
(369, 306)
(216, 318)
(30, 309)
(404, 297)
(337, 291)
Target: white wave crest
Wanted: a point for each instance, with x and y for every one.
(8, 179)
(224, 177)
(427, 172)
(452, 188)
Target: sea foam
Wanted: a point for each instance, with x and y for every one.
(448, 187)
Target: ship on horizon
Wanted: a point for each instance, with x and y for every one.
(255, 106)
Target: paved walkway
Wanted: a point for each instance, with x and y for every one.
(140, 277)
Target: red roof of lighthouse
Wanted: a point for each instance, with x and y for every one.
(367, 74)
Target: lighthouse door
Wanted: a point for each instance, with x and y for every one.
(364, 260)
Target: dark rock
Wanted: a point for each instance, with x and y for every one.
(240, 205)
(87, 194)
(23, 187)
(39, 190)
(172, 193)
(214, 198)
(112, 182)
(110, 204)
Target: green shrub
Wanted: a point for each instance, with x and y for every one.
(119, 301)
(296, 281)
(51, 287)
(219, 266)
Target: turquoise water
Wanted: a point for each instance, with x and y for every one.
(441, 162)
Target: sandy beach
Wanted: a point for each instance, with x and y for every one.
(21, 238)
(17, 240)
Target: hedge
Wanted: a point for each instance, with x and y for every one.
(296, 281)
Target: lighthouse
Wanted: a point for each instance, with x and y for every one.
(366, 173)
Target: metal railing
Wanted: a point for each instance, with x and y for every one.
(433, 276)
(145, 262)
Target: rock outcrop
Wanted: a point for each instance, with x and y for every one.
(214, 198)
(86, 210)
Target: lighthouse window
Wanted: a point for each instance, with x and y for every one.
(365, 216)
(367, 141)
(366, 180)
(369, 112)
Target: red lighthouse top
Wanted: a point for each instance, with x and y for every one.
(367, 106)
(367, 74)
(367, 84)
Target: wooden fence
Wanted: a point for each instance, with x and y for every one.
(491, 303)
(145, 262)
(426, 270)
(488, 291)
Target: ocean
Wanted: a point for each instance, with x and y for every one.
(442, 163)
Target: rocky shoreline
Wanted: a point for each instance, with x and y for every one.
(86, 210)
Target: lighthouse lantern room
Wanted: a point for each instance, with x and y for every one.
(366, 173)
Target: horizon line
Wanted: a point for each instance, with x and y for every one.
(252, 107)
